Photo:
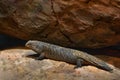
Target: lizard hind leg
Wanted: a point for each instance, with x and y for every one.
(79, 63)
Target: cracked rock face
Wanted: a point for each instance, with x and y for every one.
(70, 23)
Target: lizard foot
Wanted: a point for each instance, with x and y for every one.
(79, 63)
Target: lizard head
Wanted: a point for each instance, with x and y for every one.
(37, 46)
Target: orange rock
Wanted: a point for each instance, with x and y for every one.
(70, 23)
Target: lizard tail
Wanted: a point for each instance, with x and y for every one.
(94, 60)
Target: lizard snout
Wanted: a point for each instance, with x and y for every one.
(28, 44)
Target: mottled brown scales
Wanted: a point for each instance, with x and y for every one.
(68, 55)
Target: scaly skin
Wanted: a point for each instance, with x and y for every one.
(58, 53)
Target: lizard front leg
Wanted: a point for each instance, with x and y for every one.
(41, 56)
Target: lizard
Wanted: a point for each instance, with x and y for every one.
(59, 53)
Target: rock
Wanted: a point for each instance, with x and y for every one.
(14, 65)
(69, 23)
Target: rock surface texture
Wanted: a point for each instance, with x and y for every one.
(15, 66)
(70, 23)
